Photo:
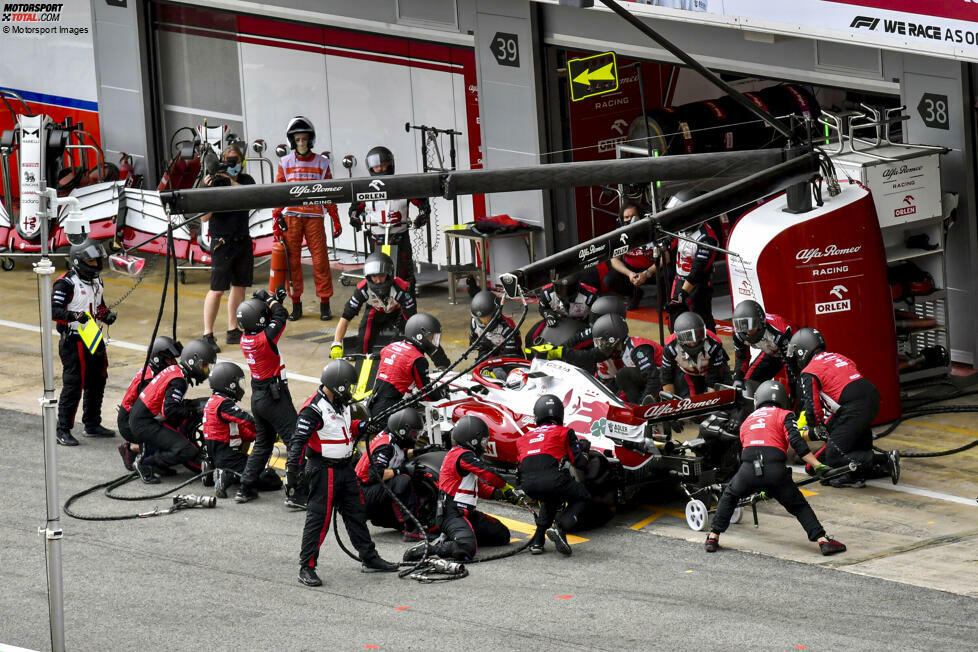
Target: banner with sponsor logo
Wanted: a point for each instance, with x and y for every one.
(948, 28)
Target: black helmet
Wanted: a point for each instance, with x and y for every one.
(339, 377)
(252, 315)
(567, 286)
(749, 320)
(609, 304)
(227, 378)
(470, 432)
(771, 391)
(484, 304)
(379, 263)
(163, 353)
(548, 409)
(378, 156)
(609, 332)
(690, 331)
(681, 198)
(84, 251)
(196, 359)
(424, 330)
(300, 125)
(405, 424)
(803, 346)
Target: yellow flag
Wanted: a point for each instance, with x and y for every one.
(90, 333)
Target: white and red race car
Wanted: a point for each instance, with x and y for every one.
(634, 441)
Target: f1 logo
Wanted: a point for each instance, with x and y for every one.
(864, 21)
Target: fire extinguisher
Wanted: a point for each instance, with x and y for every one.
(278, 275)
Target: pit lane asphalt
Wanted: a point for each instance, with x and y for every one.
(225, 579)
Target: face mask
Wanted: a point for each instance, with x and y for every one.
(234, 165)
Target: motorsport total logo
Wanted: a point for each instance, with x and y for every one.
(31, 12)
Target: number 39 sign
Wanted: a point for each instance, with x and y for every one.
(506, 49)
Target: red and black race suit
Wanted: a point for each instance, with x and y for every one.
(138, 383)
(382, 454)
(464, 477)
(403, 368)
(554, 307)
(823, 380)
(163, 396)
(773, 347)
(261, 349)
(552, 442)
(399, 306)
(694, 375)
(159, 416)
(227, 423)
(694, 263)
(773, 427)
(513, 348)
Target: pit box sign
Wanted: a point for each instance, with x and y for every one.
(506, 49)
(933, 110)
(593, 75)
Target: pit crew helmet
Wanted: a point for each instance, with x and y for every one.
(803, 346)
(379, 156)
(252, 315)
(771, 392)
(339, 377)
(405, 425)
(484, 305)
(609, 304)
(749, 320)
(548, 409)
(196, 360)
(85, 251)
(471, 432)
(425, 331)
(609, 333)
(379, 263)
(164, 352)
(298, 125)
(227, 378)
(690, 332)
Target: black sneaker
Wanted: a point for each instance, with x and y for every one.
(414, 553)
(893, 466)
(233, 336)
(377, 565)
(246, 494)
(308, 576)
(325, 314)
(209, 338)
(222, 480)
(536, 549)
(296, 313)
(298, 500)
(711, 545)
(831, 546)
(207, 480)
(127, 455)
(145, 471)
(65, 438)
(99, 431)
(556, 535)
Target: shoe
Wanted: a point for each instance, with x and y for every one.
(831, 546)
(414, 553)
(296, 313)
(377, 565)
(209, 338)
(222, 480)
(99, 431)
(325, 314)
(65, 438)
(145, 471)
(847, 480)
(471, 285)
(556, 535)
(234, 336)
(205, 466)
(127, 455)
(308, 577)
(893, 466)
(296, 501)
(711, 545)
(536, 549)
(246, 494)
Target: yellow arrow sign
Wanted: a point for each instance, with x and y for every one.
(603, 73)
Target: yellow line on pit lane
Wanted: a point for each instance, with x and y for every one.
(935, 426)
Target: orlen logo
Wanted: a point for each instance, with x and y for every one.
(744, 288)
(608, 144)
(806, 255)
(842, 305)
(909, 209)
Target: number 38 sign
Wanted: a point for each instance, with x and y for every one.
(933, 110)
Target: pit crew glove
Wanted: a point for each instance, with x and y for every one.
(821, 470)
(681, 296)
(81, 317)
(356, 218)
(291, 483)
(802, 421)
(821, 432)
(336, 351)
(278, 225)
(262, 295)
(110, 318)
(510, 495)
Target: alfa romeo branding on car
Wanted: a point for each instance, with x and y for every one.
(807, 255)
(680, 405)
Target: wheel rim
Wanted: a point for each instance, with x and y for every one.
(696, 515)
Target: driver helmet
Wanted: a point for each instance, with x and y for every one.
(690, 332)
(749, 320)
(379, 264)
(300, 125)
(517, 379)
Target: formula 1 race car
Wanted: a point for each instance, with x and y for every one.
(634, 441)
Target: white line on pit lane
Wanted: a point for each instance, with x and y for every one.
(135, 347)
(907, 489)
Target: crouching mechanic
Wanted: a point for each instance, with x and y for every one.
(162, 354)
(384, 464)
(464, 479)
(541, 452)
(387, 299)
(693, 358)
(768, 334)
(483, 306)
(765, 435)
(840, 406)
(325, 434)
(263, 319)
(228, 430)
(160, 415)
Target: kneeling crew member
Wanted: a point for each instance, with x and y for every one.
(765, 435)
(388, 301)
(483, 307)
(227, 428)
(325, 434)
(566, 298)
(541, 452)
(163, 353)
(464, 479)
(263, 319)
(840, 405)
(158, 415)
(384, 464)
(755, 329)
(693, 358)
